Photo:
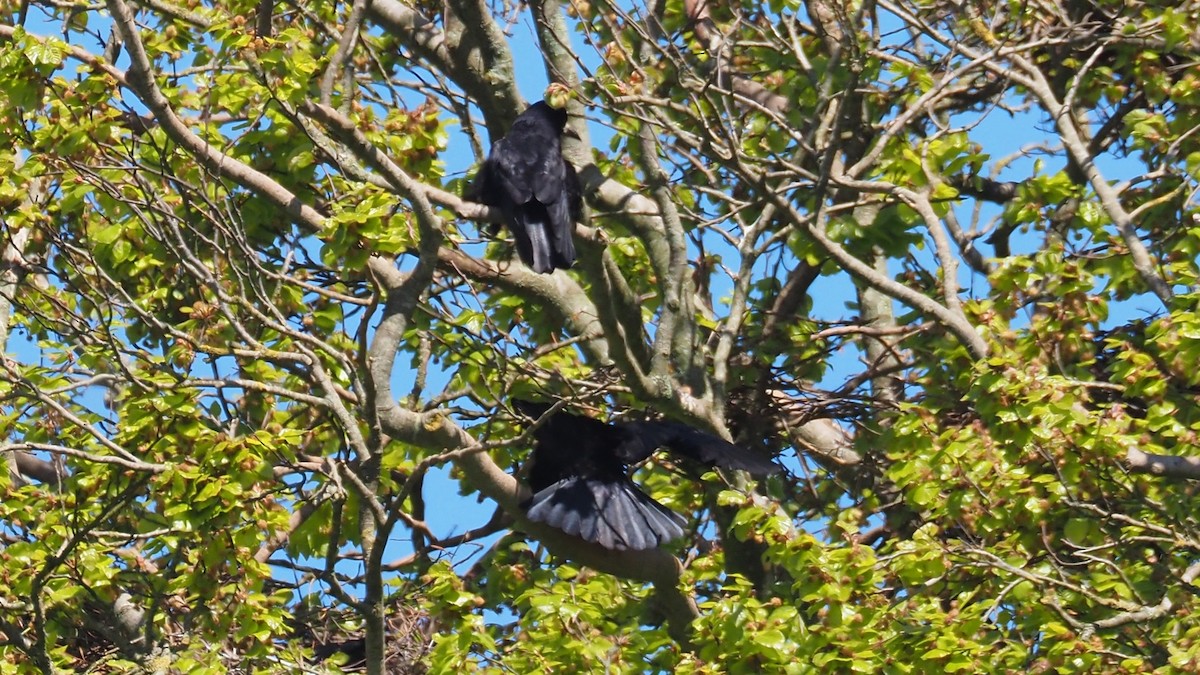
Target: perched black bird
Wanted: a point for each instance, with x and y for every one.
(526, 176)
(580, 475)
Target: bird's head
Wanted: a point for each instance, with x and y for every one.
(531, 409)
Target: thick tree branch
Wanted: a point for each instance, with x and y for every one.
(673, 337)
(566, 301)
(471, 49)
(1170, 466)
(980, 187)
(877, 313)
(484, 62)
(415, 30)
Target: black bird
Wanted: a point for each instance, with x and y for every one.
(580, 475)
(526, 176)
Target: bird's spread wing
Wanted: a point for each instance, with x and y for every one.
(643, 438)
(613, 514)
(569, 446)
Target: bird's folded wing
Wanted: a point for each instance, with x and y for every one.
(510, 163)
(614, 514)
(550, 184)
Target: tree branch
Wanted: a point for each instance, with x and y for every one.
(718, 61)
(1171, 466)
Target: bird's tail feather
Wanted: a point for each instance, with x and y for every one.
(533, 241)
(614, 514)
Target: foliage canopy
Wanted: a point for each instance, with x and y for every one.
(938, 257)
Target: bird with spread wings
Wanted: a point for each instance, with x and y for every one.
(579, 475)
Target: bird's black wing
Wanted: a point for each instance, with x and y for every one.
(611, 513)
(570, 446)
(516, 177)
(554, 189)
(643, 438)
(526, 176)
(501, 183)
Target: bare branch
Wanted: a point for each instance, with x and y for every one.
(1171, 466)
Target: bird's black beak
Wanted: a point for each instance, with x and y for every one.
(568, 131)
